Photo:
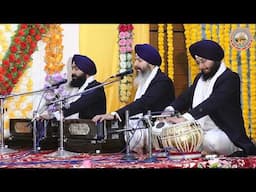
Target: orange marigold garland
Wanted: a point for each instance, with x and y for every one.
(170, 51)
(161, 39)
(252, 69)
(54, 49)
(54, 65)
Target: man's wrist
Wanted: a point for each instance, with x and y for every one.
(188, 116)
(169, 108)
(113, 114)
(116, 116)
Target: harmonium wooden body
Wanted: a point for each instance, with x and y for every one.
(83, 135)
(21, 133)
(80, 135)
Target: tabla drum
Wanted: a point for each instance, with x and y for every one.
(184, 137)
(156, 132)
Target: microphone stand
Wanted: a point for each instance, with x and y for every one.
(61, 152)
(128, 156)
(86, 91)
(35, 147)
(148, 119)
(4, 148)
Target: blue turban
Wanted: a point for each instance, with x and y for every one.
(207, 49)
(85, 64)
(148, 53)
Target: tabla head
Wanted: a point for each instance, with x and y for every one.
(156, 132)
(182, 137)
(158, 127)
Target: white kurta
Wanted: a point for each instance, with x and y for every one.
(214, 140)
(139, 138)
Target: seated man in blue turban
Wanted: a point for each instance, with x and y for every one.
(82, 106)
(92, 103)
(89, 104)
(154, 92)
(214, 101)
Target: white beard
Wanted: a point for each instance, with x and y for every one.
(141, 78)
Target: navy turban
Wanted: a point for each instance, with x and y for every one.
(85, 64)
(148, 53)
(207, 49)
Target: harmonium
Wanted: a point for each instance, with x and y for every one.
(80, 135)
(84, 136)
(21, 134)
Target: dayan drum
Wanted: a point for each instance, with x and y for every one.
(156, 132)
(181, 137)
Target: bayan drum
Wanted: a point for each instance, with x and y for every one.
(181, 138)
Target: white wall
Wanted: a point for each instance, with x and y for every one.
(70, 41)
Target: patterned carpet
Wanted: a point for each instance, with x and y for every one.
(46, 159)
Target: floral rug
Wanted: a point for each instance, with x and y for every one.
(44, 159)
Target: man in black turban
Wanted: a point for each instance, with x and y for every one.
(214, 101)
(154, 92)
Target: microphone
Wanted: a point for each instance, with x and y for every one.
(130, 71)
(58, 83)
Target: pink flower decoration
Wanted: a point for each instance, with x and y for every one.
(129, 42)
(122, 49)
(122, 35)
(122, 42)
(129, 49)
(125, 58)
(127, 34)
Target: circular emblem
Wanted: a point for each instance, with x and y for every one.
(241, 39)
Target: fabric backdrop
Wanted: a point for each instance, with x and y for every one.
(100, 42)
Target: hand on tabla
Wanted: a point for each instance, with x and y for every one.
(175, 119)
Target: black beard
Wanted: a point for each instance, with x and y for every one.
(78, 81)
(212, 72)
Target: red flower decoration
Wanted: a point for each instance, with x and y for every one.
(22, 46)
